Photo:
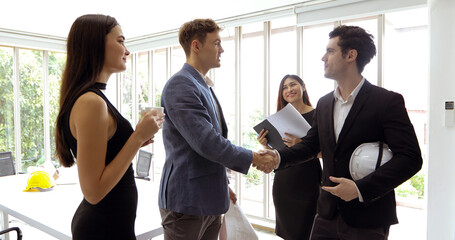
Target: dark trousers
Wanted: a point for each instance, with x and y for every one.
(178, 226)
(337, 229)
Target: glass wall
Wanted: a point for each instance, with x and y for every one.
(177, 59)
(252, 111)
(283, 54)
(406, 55)
(241, 76)
(7, 100)
(283, 61)
(56, 65)
(126, 90)
(315, 39)
(224, 79)
(38, 88)
(160, 77)
(371, 26)
(31, 107)
(144, 94)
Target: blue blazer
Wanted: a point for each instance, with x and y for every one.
(194, 180)
(376, 115)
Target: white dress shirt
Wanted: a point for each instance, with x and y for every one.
(340, 112)
(342, 107)
(210, 84)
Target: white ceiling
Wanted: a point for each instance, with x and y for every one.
(137, 17)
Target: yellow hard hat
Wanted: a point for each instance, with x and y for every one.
(39, 181)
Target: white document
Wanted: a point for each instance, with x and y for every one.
(289, 120)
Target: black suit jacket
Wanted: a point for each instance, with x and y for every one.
(376, 115)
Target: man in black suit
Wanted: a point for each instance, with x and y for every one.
(356, 112)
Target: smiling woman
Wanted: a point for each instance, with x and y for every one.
(295, 189)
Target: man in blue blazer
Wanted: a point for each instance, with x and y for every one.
(356, 112)
(194, 188)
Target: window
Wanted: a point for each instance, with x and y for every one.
(406, 55)
(111, 89)
(7, 100)
(160, 78)
(178, 58)
(144, 97)
(252, 102)
(283, 61)
(126, 89)
(143, 86)
(371, 26)
(31, 107)
(315, 39)
(56, 66)
(224, 79)
(283, 55)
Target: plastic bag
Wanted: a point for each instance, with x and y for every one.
(236, 225)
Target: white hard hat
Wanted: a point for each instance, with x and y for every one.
(367, 157)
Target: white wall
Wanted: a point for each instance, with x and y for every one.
(441, 165)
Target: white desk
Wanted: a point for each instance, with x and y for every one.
(52, 211)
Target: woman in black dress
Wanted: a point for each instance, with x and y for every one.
(295, 189)
(91, 130)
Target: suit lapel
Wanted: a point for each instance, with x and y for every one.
(329, 112)
(356, 108)
(223, 122)
(211, 97)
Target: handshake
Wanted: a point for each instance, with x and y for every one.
(265, 160)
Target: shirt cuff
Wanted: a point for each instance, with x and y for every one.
(279, 159)
(358, 192)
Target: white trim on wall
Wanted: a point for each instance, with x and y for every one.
(32, 40)
(348, 9)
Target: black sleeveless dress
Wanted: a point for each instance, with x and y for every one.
(114, 216)
(295, 193)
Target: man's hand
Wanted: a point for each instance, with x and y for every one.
(232, 196)
(265, 160)
(346, 189)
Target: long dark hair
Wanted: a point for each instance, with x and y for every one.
(281, 103)
(84, 63)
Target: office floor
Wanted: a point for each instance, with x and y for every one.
(412, 226)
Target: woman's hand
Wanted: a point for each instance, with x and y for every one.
(149, 124)
(147, 142)
(262, 139)
(291, 140)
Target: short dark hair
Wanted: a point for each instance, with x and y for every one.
(281, 103)
(353, 37)
(196, 29)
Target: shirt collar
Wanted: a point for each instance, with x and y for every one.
(206, 79)
(351, 96)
